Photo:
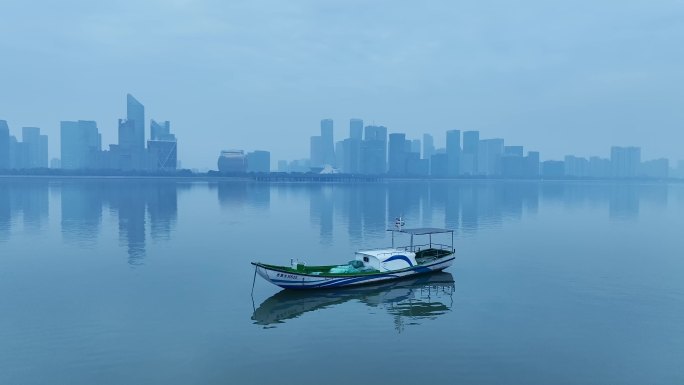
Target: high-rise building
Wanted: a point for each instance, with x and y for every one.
(162, 154)
(339, 155)
(428, 146)
(532, 164)
(130, 152)
(126, 155)
(397, 154)
(356, 129)
(439, 165)
(282, 166)
(162, 148)
(232, 161)
(453, 148)
(471, 141)
(416, 166)
(322, 148)
(489, 155)
(513, 150)
(513, 163)
(625, 161)
(135, 113)
(374, 150)
(328, 142)
(259, 161)
(4, 145)
(349, 156)
(657, 168)
(553, 169)
(35, 148)
(599, 167)
(576, 167)
(317, 154)
(415, 147)
(161, 131)
(81, 143)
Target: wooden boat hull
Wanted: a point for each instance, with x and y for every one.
(289, 279)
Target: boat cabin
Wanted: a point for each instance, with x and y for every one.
(413, 254)
(387, 259)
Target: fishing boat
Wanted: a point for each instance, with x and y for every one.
(409, 300)
(368, 266)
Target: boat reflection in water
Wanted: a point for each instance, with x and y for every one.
(424, 297)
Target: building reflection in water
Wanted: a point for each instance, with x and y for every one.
(148, 208)
(133, 202)
(465, 206)
(409, 301)
(28, 198)
(240, 194)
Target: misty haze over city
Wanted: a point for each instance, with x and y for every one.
(559, 78)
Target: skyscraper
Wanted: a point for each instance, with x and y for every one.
(4, 145)
(35, 148)
(489, 155)
(356, 129)
(161, 131)
(130, 153)
(162, 147)
(428, 146)
(415, 146)
(327, 141)
(532, 164)
(513, 162)
(453, 148)
(625, 161)
(322, 148)
(397, 154)
(81, 143)
(259, 161)
(135, 113)
(374, 150)
(471, 140)
(316, 154)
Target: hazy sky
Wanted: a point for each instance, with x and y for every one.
(562, 77)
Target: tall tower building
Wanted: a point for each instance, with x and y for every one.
(327, 141)
(471, 142)
(81, 143)
(355, 129)
(625, 161)
(428, 146)
(374, 150)
(161, 131)
(397, 154)
(453, 149)
(4, 145)
(35, 148)
(162, 147)
(135, 113)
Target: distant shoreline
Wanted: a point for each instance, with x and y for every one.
(317, 178)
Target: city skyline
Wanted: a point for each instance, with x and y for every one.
(338, 131)
(558, 78)
(132, 135)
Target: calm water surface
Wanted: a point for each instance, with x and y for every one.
(149, 281)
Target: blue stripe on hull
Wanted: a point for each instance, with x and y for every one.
(349, 281)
